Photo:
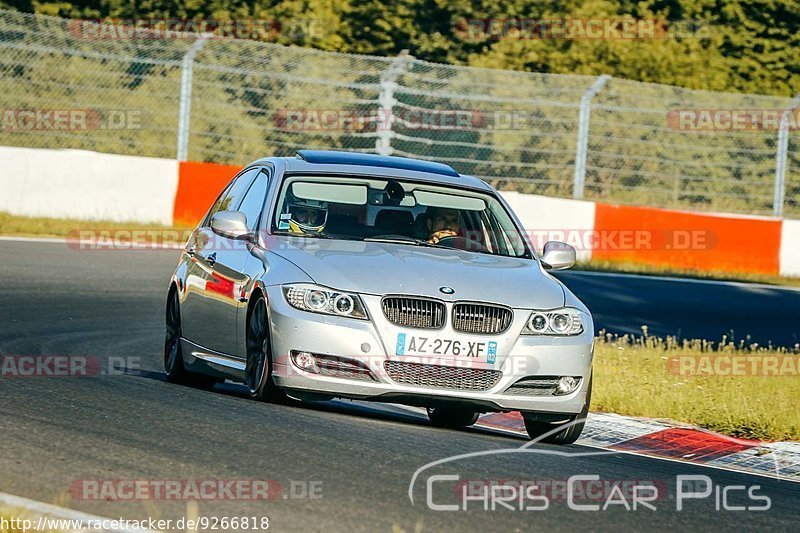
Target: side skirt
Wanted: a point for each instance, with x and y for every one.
(206, 361)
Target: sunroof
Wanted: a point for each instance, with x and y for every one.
(354, 158)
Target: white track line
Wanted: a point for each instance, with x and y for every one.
(92, 245)
(49, 240)
(14, 503)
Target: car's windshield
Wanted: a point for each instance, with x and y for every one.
(396, 211)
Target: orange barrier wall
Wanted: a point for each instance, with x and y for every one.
(199, 184)
(687, 240)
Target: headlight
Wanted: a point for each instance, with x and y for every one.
(318, 299)
(566, 321)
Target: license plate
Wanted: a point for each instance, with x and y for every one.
(421, 345)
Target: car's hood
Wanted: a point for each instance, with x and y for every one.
(382, 268)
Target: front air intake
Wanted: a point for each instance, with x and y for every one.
(412, 312)
(481, 318)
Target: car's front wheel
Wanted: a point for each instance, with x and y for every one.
(572, 427)
(258, 369)
(451, 417)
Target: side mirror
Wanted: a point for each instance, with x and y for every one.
(558, 255)
(231, 224)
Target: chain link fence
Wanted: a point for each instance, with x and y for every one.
(202, 98)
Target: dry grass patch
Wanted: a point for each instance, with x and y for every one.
(722, 386)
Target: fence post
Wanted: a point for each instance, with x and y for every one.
(185, 109)
(386, 101)
(781, 157)
(579, 178)
(780, 167)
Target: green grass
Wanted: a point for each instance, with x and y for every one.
(633, 376)
(20, 226)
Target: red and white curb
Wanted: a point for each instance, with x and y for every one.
(642, 436)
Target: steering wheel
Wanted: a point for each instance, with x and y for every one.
(462, 243)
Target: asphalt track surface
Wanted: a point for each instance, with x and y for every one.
(690, 309)
(134, 426)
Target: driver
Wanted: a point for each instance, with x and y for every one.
(442, 223)
(308, 217)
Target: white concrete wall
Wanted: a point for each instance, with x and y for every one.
(87, 185)
(561, 219)
(790, 248)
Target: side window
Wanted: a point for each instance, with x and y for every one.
(232, 197)
(253, 202)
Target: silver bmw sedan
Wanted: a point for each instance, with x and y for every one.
(336, 274)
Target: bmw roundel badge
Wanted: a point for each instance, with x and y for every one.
(447, 290)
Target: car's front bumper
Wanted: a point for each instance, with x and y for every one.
(372, 342)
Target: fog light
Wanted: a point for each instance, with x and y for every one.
(305, 361)
(567, 384)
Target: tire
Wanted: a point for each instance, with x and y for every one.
(173, 355)
(568, 435)
(451, 417)
(258, 369)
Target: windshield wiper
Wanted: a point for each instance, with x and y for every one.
(405, 240)
(399, 239)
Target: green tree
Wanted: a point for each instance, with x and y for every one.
(744, 45)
